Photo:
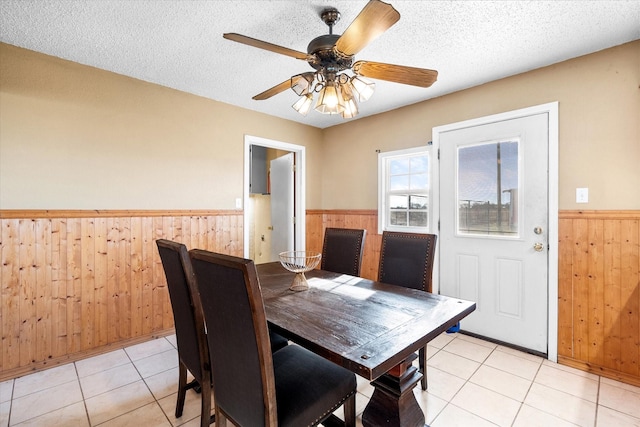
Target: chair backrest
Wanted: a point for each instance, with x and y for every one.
(342, 250)
(238, 338)
(406, 259)
(187, 311)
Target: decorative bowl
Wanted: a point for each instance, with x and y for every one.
(299, 262)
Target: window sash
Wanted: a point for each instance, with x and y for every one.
(408, 173)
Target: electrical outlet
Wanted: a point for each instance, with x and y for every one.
(582, 195)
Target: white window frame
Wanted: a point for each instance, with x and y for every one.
(383, 191)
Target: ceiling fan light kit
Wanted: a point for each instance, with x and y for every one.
(339, 82)
(363, 87)
(330, 99)
(303, 104)
(350, 104)
(302, 84)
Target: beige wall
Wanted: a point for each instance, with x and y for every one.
(75, 137)
(599, 140)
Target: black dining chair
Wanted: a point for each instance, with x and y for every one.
(406, 259)
(342, 250)
(193, 350)
(253, 386)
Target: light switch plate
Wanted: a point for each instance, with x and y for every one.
(582, 195)
(238, 203)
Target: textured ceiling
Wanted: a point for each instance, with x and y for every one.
(179, 44)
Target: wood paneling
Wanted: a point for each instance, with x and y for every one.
(599, 292)
(318, 221)
(75, 282)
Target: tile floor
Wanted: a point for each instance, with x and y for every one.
(471, 383)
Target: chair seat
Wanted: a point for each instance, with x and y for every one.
(277, 341)
(301, 394)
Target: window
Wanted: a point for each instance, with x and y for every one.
(403, 190)
(487, 189)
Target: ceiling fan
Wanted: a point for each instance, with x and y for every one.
(339, 81)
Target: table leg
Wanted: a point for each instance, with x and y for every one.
(393, 402)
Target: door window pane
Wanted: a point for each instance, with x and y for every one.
(487, 192)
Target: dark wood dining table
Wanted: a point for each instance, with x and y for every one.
(371, 328)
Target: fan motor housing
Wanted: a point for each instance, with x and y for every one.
(323, 56)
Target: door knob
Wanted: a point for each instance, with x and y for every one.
(538, 247)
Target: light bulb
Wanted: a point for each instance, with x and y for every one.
(330, 100)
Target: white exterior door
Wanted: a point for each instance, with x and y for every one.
(494, 227)
(282, 205)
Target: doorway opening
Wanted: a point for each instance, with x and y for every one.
(274, 205)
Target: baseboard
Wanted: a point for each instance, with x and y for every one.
(53, 362)
(600, 370)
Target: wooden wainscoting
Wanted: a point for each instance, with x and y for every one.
(599, 293)
(75, 283)
(318, 220)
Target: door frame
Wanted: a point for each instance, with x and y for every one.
(299, 193)
(552, 279)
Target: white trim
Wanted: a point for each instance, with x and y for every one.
(552, 111)
(300, 187)
(554, 142)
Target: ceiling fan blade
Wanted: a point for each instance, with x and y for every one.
(265, 45)
(281, 87)
(396, 73)
(376, 18)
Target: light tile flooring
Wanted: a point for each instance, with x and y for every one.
(471, 383)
